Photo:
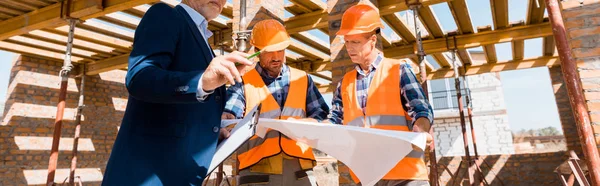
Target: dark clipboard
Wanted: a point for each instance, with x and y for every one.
(241, 133)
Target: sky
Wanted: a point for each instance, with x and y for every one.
(523, 89)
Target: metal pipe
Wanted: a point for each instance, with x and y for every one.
(219, 41)
(574, 88)
(80, 106)
(470, 114)
(242, 33)
(462, 120)
(64, 74)
(433, 177)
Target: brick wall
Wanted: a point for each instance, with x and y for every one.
(567, 119)
(583, 25)
(27, 127)
(490, 120)
(517, 169)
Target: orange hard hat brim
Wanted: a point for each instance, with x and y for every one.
(276, 47)
(343, 32)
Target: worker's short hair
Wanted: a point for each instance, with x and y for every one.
(375, 32)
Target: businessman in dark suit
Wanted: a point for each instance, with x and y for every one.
(169, 133)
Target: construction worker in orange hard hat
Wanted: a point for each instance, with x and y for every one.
(392, 91)
(284, 93)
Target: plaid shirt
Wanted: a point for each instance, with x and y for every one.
(315, 104)
(412, 97)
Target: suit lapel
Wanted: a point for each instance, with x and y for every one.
(197, 35)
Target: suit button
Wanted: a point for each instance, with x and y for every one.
(217, 98)
(215, 129)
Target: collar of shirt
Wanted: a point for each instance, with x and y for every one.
(265, 75)
(372, 67)
(199, 20)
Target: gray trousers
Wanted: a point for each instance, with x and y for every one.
(401, 183)
(293, 175)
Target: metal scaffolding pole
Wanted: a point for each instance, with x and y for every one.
(433, 174)
(80, 106)
(574, 89)
(462, 120)
(64, 74)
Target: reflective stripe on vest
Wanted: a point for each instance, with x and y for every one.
(256, 92)
(383, 111)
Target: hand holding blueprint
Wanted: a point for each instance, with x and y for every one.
(370, 153)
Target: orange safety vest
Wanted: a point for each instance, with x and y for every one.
(256, 92)
(383, 111)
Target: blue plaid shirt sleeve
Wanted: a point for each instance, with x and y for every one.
(316, 107)
(413, 97)
(336, 115)
(236, 103)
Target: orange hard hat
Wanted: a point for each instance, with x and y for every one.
(270, 35)
(359, 19)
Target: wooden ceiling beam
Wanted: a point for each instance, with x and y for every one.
(535, 12)
(97, 67)
(473, 40)
(19, 5)
(490, 49)
(499, 13)
(106, 30)
(549, 46)
(307, 52)
(461, 16)
(305, 22)
(399, 26)
(11, 47)
(392, 6)
(311, 41)
(465, 56)
(63, 43)
(518, 49)
(93, 38)
(430, 21)
(443, 60)
(49, 16)
(312, 5)
(37, 45)
(547, 61)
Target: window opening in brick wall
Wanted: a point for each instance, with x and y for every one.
(531, 100)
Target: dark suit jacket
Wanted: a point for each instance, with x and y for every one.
(167, 136)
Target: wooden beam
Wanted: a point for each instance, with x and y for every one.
(399, 26)
(465, 56)
(121, 20)
(94, 38)
(430, 21)
(443, 60)
(38, 45)
(490, 53)
(307, 51)
(49, 16)
(97, 67)
(11, 11)
(297, 9)
(11, 47)
(55, 40)
(460, 12)
(106, 30)
(19, 6)
(474, 40)
(305, 22)
(392, 6)
(549, 46)
(227, 10)
(518, 49)
(321, 76)
(548, 61)
(312, 5)
(535, 12)
(499, 13)
(312, 41)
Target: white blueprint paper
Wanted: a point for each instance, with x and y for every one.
(370, 153)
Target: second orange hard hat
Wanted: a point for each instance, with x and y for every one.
(359, 19)
(270, 35)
